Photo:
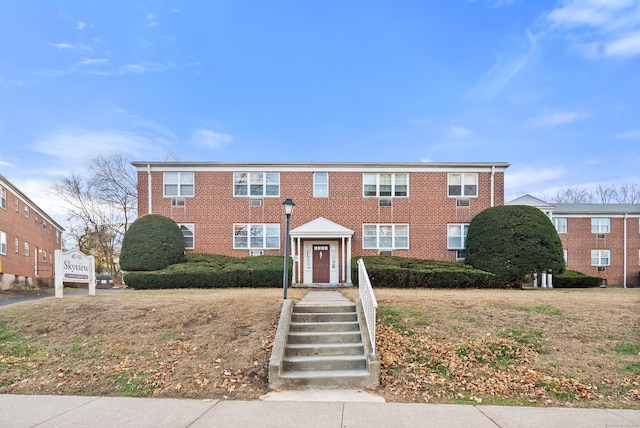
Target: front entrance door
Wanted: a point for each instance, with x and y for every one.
(321, 264)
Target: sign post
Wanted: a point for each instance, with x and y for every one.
(73, 266)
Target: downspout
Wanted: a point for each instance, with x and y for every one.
(149, 188)
(624, 258)
(493, 173)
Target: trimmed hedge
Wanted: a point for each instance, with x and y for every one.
(213, 271)
(403, 272)
(152, 242)
(573, 279)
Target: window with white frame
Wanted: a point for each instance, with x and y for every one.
(600, 225)
(463, 184)
(26, 211)
(256, 184)
(561, 224)
(17, 205)
(3, 198)
(188, 234)
(600, 257)
(381, 185)
(320, 184)
(565, 254)
(256, 236)
(3, 243)
(44, 256)
(457, 236)
(385, 236)
(178, 184)
(57, 236)
(26, 249)
(17, 243)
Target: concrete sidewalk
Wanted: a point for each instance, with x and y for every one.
(18, 411)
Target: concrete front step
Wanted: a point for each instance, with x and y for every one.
(324, 316)
(324, 337)
(315, 308)
(320, 379)
(325, 349)
(324, 326)
(325, 363)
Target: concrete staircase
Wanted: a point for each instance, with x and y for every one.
(323, 346)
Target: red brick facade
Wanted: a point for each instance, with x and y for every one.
(428, 208)
(36, 234)
(620, 238)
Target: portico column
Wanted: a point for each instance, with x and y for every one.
(349, 260)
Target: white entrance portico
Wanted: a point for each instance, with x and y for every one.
(321, 251)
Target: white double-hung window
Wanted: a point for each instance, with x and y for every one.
(188, 235)
(600, 225)
(178, 184)
(385, 185)
(463, 185)
(600, 257)
(561, 224)
(256, 184)
(3, 243)
(320, 184)
(457, 239)
(385, 236)
(3, 198)
(256, 236)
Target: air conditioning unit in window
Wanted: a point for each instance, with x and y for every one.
(385, 202)
(600, 236)
(177, 202)
(256, 253)
(602, 268)
(255, 202)
(385, 253)
(461, 254)
(463, 202)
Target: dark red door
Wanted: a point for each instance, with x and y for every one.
(321, 264)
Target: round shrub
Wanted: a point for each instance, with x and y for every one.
(152, 242)
(513, 242)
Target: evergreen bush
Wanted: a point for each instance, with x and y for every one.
(152, 242)
(513, 242)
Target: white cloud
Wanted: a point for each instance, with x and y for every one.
(520, 180)
(61, 45)
(459, 132)
(92, 61)
(631, 134)
(152, 24)
(210, 139)
(82, 25)
(555, 118)
(5, 163)
(507, 66)
(75, 147)
(599, 28)
(627, 45)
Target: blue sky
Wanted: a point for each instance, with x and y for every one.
(552, 87)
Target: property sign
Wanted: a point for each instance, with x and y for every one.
(73, 266)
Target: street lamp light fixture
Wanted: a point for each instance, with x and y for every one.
(288, 209)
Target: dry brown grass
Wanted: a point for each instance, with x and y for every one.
(216, 343)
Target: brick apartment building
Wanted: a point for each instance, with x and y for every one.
(28, 238)
(600, 240)
(342, 210)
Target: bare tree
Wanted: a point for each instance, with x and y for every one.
(101, 207)
(573, 196)
(621, 194)
(627, 194)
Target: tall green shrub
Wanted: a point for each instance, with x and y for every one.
(153, 242)
(513, 242)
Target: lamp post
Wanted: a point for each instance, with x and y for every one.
(288, 209)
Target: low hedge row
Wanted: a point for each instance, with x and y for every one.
(402, 272)
(573, 279)
(213, 271)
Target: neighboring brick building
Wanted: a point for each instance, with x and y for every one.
(28, 238)
(341, 209)
(598, 239)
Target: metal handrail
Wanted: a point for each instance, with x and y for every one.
(369, 302)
